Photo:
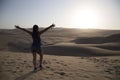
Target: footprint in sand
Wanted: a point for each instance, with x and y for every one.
(61, 63)
(8, 70)
(54, 59)
(14, 71)
(2, 62)
(19, 59)
(109, 71)
(24, 61)
(10, 62)
(47, 66)
(46, 62)
(18, 67)
(7, 56)
(21, 70)
(60, 73)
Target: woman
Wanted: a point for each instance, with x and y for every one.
(36, 45)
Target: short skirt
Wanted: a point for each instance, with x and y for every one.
(36, 48)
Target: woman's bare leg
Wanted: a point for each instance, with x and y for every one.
(41, 58)
(34, 59)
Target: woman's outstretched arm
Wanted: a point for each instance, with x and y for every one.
(41, 32)
(23, 29)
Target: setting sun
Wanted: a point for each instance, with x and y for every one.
(86, 18)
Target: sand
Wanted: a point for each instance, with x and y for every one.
(69, 54)
(18, 66)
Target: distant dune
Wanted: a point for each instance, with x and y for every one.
(98, 40)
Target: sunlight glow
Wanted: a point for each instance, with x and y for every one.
(86, 18)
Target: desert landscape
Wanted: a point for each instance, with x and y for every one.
(69, 54)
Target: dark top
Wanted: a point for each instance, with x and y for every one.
(36, 39)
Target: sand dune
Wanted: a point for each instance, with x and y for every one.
(69, 49)
(70, 54)
(98, 40)
(71, 41)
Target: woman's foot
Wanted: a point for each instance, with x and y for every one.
(35, 69)
(40, 66)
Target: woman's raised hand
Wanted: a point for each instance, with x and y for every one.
(16, 26)
(53, 25)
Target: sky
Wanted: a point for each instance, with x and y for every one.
(100, 14)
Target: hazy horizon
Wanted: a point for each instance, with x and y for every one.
(83, 14)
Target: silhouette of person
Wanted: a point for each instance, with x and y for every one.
(36, 45)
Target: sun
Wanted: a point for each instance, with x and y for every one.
(86, 18)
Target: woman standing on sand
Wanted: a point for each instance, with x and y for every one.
(36, 45)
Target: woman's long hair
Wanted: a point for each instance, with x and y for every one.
(35, 28)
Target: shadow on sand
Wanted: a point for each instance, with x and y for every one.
(23, 77)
